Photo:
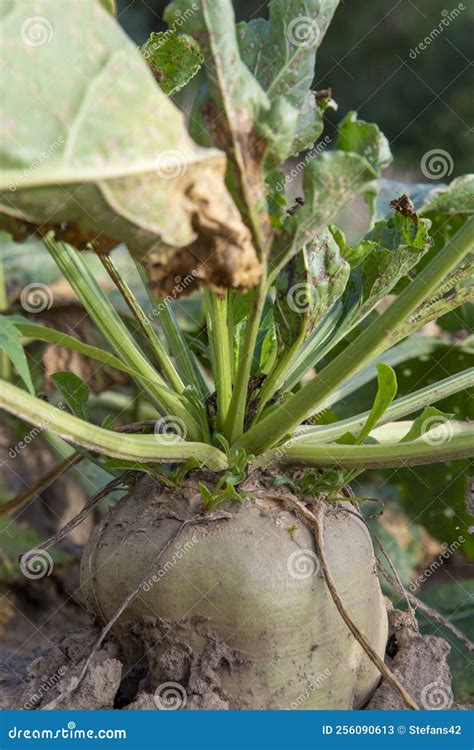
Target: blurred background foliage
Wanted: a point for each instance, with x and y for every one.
(421, 102)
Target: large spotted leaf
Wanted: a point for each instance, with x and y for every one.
(94, 149)
(281, 53)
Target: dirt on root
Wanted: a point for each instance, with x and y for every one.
(420, 663)
(187, 680)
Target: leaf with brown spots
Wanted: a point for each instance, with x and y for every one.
(108, 158)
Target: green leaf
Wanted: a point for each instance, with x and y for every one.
(414, 401)
(232, 104)
(121, 465)
(108, 157)
(447, 207)
(213, 26)
(366, 139)
(370, 343)
(455, 199)
(173, 59)
(386, 254)
(75, 392)
(38, 332)
(433, 495)
(110, 6)
(417, 345)
(331, 180)
(386, 392)
(309, 125)
(307, 288)
(10, 343)
(281, 53)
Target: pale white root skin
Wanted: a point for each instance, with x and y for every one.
(230, 614)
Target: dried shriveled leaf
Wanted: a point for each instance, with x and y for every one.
(107, 158)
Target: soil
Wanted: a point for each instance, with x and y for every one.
(42, 656)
